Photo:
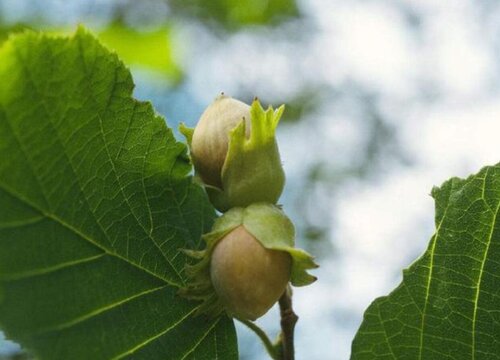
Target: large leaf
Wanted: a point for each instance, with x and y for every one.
(448, 305)
(95, 201)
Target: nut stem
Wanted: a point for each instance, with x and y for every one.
(272, 350)
(288, 321)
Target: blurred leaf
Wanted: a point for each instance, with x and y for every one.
(448, 305)
(151, 49)
(303, 104)
(95, 201)
(234, 14)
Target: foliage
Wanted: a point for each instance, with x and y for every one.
(234, 14)
(96, 199)
(448, 305)
(151, 49)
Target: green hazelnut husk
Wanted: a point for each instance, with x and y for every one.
(235, 153)
(248, 261)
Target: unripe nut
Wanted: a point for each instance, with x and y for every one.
(249, 259)
(247, 277)
(209, 144)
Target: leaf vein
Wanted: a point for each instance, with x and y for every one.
(96, 312)
(50, 269)
(20, 223)
(147, 341)
(481, 272)
(82, 235)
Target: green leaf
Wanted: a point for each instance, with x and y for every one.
(148, 49)
(448, 305)
(95, 201)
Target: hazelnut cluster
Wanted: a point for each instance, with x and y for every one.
(250, 255)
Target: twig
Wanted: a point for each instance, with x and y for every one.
(288, 321)
(271, 349)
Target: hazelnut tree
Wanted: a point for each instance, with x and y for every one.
(110, 248)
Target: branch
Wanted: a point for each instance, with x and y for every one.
(288, 321)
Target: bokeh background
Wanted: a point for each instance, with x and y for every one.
(385, 99)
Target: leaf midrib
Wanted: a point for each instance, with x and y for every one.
(80, 233)
(427, 290)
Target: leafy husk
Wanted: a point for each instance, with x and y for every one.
(270, 226)
(252, 171)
